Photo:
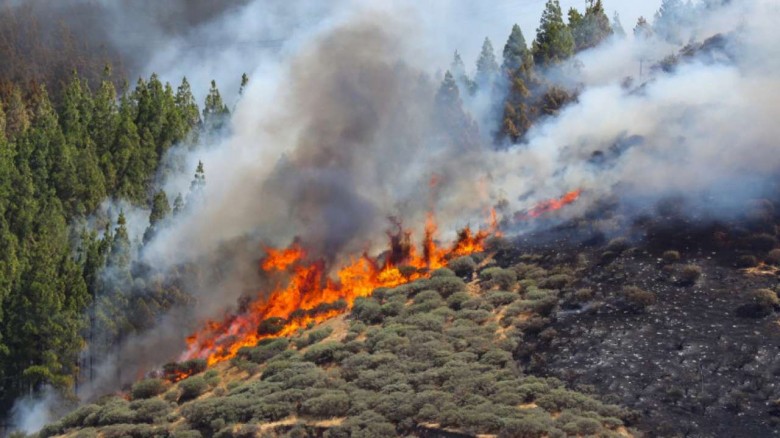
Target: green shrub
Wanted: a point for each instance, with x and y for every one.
(367, 311)
(501, 298)
(456, 300)
(503, 278)
(76, 417)
(151, 410)
(264, 351)
(148, 388)
(192, 387)
(329, 404)
(186, 433)
(115, 412)
(443, 272)
(583, 427)
(462, 266)
(392, 308)
(312, 337)
(446, 286)
(529, 426)
(671, 256)
(323, 353)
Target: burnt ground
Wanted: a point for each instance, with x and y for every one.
(687, 364)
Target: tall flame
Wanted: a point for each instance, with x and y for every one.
(310, 296)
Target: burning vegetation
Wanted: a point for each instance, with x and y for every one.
(306, 294)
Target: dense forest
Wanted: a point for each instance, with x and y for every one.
(79, 136)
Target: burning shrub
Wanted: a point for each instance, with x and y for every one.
(503, 278)
(446, 286)
(148, 388)
(192, 387)
(323, 353)
(638, 299)
(762, 302)
(689, 275)
(670, 256)
(367, 310)
(271, 326)
(175, 370)
(462, 266)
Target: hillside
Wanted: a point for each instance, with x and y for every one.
(430, 358)
(665, 332)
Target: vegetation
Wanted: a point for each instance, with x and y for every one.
(64, 284)
(440, 360)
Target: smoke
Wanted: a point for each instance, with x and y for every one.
(29, 414)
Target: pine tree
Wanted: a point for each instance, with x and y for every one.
(591, 29)
(244, 83)
(554, 42)
(160, 210)
(458, 71)
(103, 129)
(178, 204)
(617, 26)
(642, 28)
(197, 186)
(215, 112)
(120, 255)
(187, 106)
(16, 113)
(672, 18)
(458, 127)
(515, 51)
(487, 67)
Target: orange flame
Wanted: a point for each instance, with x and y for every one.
(550, 205)
(310, 296)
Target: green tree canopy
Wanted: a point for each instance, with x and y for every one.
(554, 41)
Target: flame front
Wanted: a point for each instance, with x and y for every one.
(310, 296)
(550, 205)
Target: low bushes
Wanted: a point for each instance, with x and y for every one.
(148, 388)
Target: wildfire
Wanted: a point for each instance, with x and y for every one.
(307, 294)
(550, 205)
(310, 296)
